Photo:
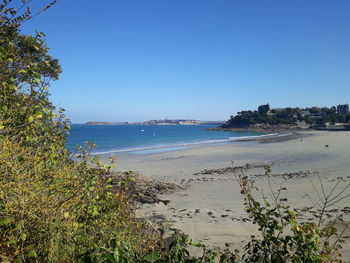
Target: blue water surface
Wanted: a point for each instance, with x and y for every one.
(146, 138)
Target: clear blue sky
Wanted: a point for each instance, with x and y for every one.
(133, 60)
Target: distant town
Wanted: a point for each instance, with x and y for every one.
(265, 118)
(159, 122)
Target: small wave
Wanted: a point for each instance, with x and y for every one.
(147, 148)
(179, 145)
(255, 137)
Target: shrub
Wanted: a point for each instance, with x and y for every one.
(285, 237)
(52, 209)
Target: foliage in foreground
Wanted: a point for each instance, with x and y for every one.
(55, 210)
(51, 208)
(283, 237)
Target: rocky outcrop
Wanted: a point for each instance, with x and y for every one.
(233, 169)
(141, 189)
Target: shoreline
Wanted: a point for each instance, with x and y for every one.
(262, 129)
(180, 146)
(210, 208)
(279, 129)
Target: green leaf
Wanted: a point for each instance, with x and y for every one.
(30, 119)
(152, 257)
(95, 212)
(5, 221)
(14, 87)
(32, 254)
(109, 257)
(38, 115)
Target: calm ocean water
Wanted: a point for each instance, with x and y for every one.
(147, 138)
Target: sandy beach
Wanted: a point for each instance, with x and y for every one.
(210, 208)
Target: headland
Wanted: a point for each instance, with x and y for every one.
(265, 119)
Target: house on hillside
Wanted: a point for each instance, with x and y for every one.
(343, 109)
(318, 115)
(304, 113)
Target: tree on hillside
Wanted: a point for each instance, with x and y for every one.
(263, 109)
(26, 71)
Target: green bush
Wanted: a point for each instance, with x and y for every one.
(284, 237)
(51, 208)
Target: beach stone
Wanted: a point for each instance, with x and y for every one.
(141, 189)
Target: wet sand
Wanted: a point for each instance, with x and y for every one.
(210, 208)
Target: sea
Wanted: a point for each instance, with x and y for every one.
(144, 139)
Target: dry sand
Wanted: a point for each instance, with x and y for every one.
(210, 209)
